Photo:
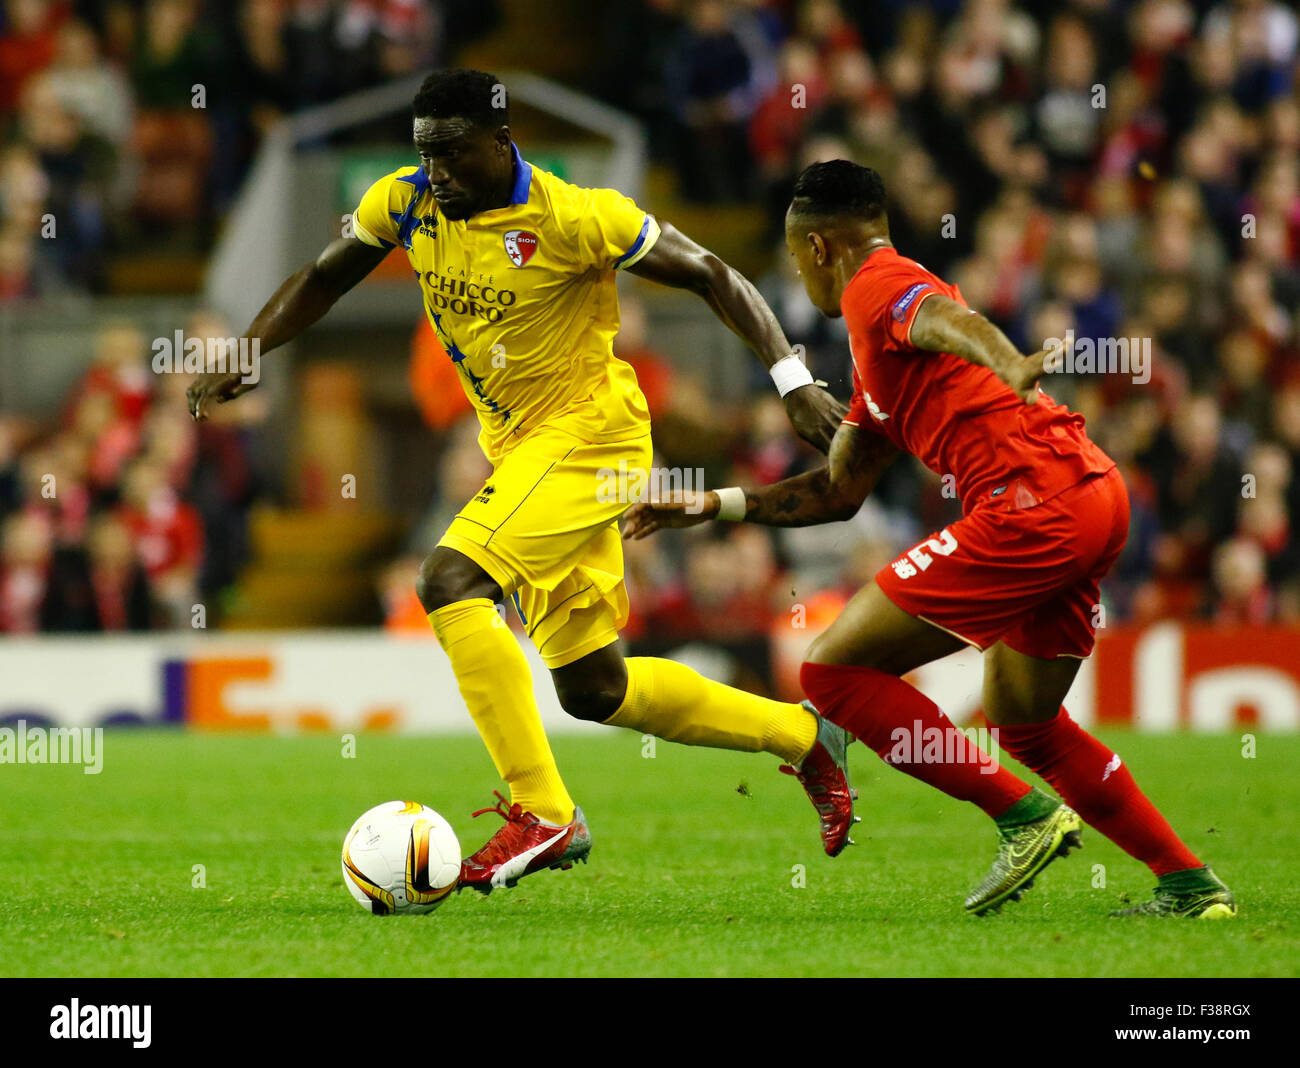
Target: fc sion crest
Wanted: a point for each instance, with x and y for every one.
(520, 246)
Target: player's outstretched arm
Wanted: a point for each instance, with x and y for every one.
(303, 298)
(943, 325)
(675, 260)
(829, 494)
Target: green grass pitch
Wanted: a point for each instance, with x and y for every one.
(695, 868)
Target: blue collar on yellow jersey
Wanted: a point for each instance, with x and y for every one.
(407, 220)
(523, 177)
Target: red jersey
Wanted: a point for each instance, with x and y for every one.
(954, 416)
(168, 534)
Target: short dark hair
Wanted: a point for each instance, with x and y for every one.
(463, 94)
(837, 188)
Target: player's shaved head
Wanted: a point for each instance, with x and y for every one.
(460, 93)
(837, 191)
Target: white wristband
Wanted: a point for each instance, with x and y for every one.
(790, 373)
(731, 504)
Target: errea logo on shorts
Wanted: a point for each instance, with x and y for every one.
(918, 559)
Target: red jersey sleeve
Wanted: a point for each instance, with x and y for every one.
(902, 309)
(890, 303)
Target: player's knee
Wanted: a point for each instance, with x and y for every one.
(816, 653)
(595, 702)
(593, 687)
(826, 651)
(433, 587)
(441, 582)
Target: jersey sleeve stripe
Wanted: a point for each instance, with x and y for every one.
(644, 243)
(408, 220)
(367, 237)
(923, 297)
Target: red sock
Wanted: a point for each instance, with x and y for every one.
(1092, 780)
(887, 715)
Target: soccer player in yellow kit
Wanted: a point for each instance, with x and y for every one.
(517, 272)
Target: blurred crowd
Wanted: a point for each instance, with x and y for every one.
(125, 514)
(129, 124)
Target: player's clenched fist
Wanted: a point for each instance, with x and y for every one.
(815, 415)
(214, 387)
(694, 506)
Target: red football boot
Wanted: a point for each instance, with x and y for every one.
(824, 773)
(524, 845)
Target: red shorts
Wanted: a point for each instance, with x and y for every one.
(1029, 577)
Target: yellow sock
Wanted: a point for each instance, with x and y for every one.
(498, 688)
(670, 701)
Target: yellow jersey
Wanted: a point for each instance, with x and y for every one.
(524, 299)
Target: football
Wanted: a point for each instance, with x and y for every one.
(401, 857)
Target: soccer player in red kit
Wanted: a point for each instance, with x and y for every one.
(1045, 516)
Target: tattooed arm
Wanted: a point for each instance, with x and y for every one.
(828, 494)
(825, 495)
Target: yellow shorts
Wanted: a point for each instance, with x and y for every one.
(545, 527)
